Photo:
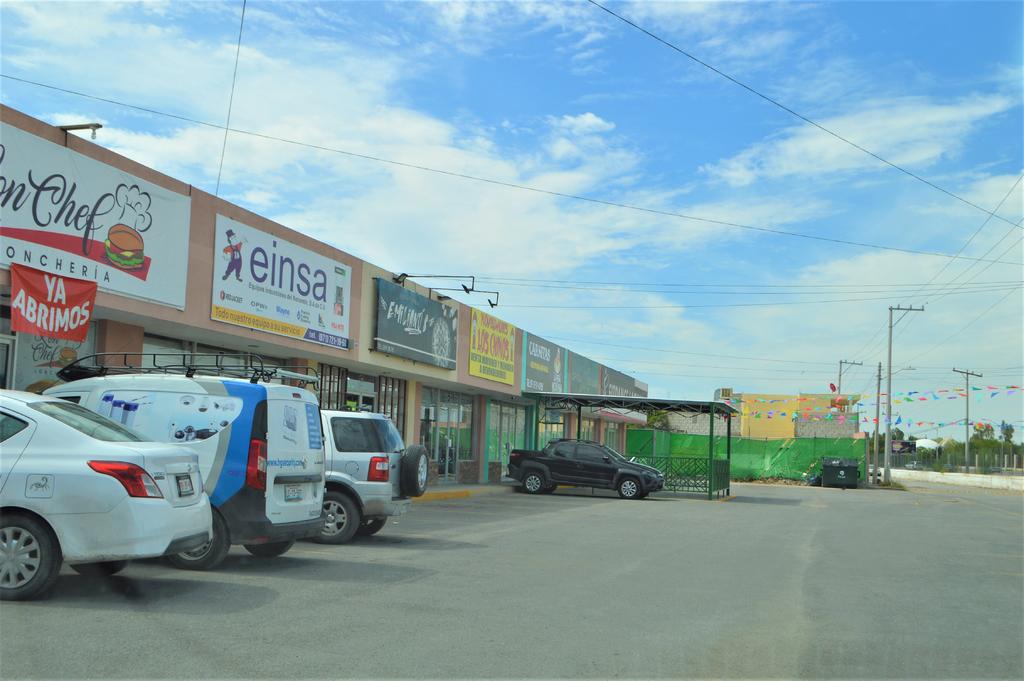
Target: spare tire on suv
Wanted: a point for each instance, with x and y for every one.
(415, 465)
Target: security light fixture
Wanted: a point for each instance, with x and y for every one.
(82, 126)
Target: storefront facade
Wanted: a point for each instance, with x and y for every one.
(211, 278)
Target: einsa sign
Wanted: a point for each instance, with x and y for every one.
(266, 283)
(68, 214)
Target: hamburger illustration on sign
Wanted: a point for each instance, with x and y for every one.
(124, 245)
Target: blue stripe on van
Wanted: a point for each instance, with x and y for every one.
(232, 474)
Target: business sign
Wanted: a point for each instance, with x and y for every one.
(68, 214)
(584, 375)
(45, 304)
(543, 365)
(415, 327)
(619, 384)
(492, 348)
(265, 283)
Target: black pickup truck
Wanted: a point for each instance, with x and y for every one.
(582, 463)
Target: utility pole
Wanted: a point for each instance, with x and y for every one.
(888, 388)
(967, 420)
(839, 386)
(878, 409)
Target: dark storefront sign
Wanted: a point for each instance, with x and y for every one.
(584, 375)
(619, 384)
(413, 326)
(543, 365)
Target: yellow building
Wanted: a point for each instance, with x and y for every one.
(776, 416)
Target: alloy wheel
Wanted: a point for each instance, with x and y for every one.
(336, 517)
(421, 472)
(19, 557)
(532, 483)
(629, 488)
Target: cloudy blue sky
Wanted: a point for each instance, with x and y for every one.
(566, 98)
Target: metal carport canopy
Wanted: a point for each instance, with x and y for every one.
(640, 404)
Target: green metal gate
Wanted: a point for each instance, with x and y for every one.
(691, 474)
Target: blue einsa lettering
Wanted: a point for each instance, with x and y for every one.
(285, 274)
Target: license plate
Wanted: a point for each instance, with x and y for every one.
(185, 488)
(293, 492)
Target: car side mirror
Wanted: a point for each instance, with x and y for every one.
(607, 459)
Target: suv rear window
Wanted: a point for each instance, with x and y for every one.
(365, 435)
(86, 422)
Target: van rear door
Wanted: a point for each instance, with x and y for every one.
(295, 457)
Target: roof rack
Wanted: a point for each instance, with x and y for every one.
(245, 365)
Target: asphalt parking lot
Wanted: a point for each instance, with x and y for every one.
(777, 582)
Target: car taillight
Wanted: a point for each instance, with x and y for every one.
(135, 479)
(256, 469)
(379, 469)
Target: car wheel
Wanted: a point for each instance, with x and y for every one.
(270, 550)
(341, 520)
(209, 555)
(104, 569)
(533, 483)
(629, 488)
(371, 527)
(29, 557)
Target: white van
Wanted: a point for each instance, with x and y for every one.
(260, 448)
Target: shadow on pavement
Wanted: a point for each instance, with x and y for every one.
(185, 596)
(419, 543)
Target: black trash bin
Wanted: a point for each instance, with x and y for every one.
(837, 472)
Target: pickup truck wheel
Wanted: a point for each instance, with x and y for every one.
(413, 476)
(29, 557)
(341, 520)
(210, 554)
(629, 488)
(371, 527)
(271, 550)
(104, 569)
(533, 483)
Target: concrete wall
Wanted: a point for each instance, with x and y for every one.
(1008, 482)
(699, 424)
(847, 428)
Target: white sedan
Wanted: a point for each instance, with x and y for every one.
(76, 487)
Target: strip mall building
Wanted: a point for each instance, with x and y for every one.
(216, 278)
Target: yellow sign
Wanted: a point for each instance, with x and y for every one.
(492, 348)
(223, 314)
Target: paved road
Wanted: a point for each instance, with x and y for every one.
(778, 582)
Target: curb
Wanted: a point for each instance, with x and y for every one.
(448, 495)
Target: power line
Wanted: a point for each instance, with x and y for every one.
(790, 111)
(717, 305)
(503, 183)
(682, 352)
(231, 100)
(938, 288)
(510, 280)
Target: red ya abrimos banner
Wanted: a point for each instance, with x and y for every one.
(47, 304)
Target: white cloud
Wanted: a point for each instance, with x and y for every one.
(910, 131)
(582, 124)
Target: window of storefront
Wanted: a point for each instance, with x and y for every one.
(331, 390)
(29, 362)
(446, 430)
(361, 392)
(391, 400)
(551, 428)
(506, 430)
(611, 434)
(588, 429)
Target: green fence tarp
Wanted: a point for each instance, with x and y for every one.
(751, 459)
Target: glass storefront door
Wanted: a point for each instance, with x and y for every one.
(6, 361)
(447, 430)
(506, 430)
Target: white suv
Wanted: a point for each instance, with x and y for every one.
(371, 475)
(79, 488)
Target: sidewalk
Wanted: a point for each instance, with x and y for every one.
(448, 492)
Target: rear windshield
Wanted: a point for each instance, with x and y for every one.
(365, 435)
(86, 422)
